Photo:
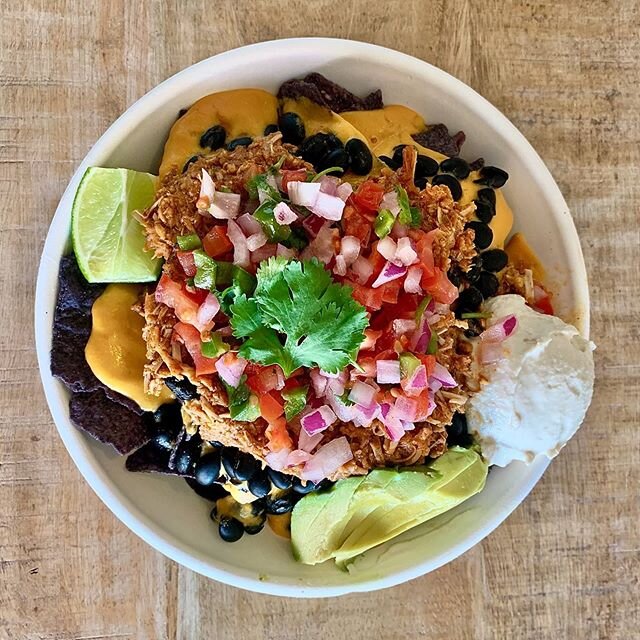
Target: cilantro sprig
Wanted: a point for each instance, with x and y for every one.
(298, 317)
(408, 215)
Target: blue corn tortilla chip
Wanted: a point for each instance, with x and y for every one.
(328, 94)
(108, 422)
(152, 458)
(438, 138)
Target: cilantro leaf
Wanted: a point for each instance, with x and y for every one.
(322, 325)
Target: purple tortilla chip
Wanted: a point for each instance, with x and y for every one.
(477, 164)
(328, 94)
(438, 138)
(149, 458)
(108, 421)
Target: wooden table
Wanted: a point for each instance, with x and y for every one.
(567, 563)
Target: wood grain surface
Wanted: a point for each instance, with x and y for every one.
(566, 564)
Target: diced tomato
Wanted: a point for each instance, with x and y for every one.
(190, 337)
(428, 361)
(424, 402)
(370, 298)
(439, 286)
(216, 243)
(174, 295)
(265, 379)
(277, 435)
(368, 196)
(544, 305)
(289, 175)
(370, 337)
(377, 261)
(355, 223)
(292, 383)
(387, 354)
(187, 263)
(390, 291)
(424, 246)
(270, 408)
(369, 367)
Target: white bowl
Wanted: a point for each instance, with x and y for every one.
(164, 511)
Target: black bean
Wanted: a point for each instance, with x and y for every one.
(483, 234)
(212, 492)
(475, 328)
(230, 529)
(259, 484)
(398, 152)
(238, 465)
(494, 260)
(207, 469)
(269, 129)
(421, 183)
(164, 439)
(457, 166)
(168, 415)
(213, 138)
(243, 141)
(451, 182)
(455, 276)
(181, 113)
(316, 147)
(292, 127)
(337, 158)
(487, 195)
(390, 162)
(279, 479)
(182, 389)
(305, 488)
(189, 162)
(426, 167)
(278, 506)
(258, 507)
(360, 158)
(492, 177)
(473, 273)
(488, 284)
(186, 455)
(468, 301)
(252, 529)
(457, 431)
(484, 211)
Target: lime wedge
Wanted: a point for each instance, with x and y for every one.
(107, 239)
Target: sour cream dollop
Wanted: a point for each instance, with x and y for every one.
(537, 393)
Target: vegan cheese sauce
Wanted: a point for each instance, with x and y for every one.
(116, 352)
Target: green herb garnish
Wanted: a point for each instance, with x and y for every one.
(408, 215)
(475, 314)
(298, 317)
(243, 405)
(326, 172)
(432, 349)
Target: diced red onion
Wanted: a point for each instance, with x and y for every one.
(304, 194)
(319, 382)
(284, 214)
(329, 458)
(443, 376)
(240, 249)
(225, 206)
(404, 409)
(328, 207)
(389, 272)
(309, 443)
(249, 224)
(390, 202)
(430, 407)
(344, 412)
(539, 293)
(344, 191)
(363, 269)
(285, 252)
(298, 457)
(422, 336)
(329, 184)
(256, 240)
(366, 369)
(362, 394)
(412, 281)
(400, 326)
(340, 267)
(388, 371)
(350, 249)
(405, 253)
(207, 312)
(278, 459)
(490, 352)
(501, 330)
(408, 426)
(263, 253)
(336, 386)
(312, 224)
(321, 246)
(399, 230)
(230, 369)
(363, 416)
(207, 191)
(394, 428)
(318, 420)
(435, 385)
(417, 381)
(387, 248)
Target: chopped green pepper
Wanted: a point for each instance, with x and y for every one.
(422, 307)
(243, 405)
(383, 223)
(206, 269)
(214, 347)
(274, 231)
(432, 349)
(408, 364)
(295, 401)
(189, 242)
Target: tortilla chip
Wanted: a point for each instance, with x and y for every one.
(438, 138)
(108, 422)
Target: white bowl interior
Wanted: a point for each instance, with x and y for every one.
(164, 511)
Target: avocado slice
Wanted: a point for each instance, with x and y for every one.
(241, 112)
(353, 517)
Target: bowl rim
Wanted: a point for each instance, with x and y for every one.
(75, 441)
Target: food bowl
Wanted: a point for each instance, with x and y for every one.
(135, 140)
